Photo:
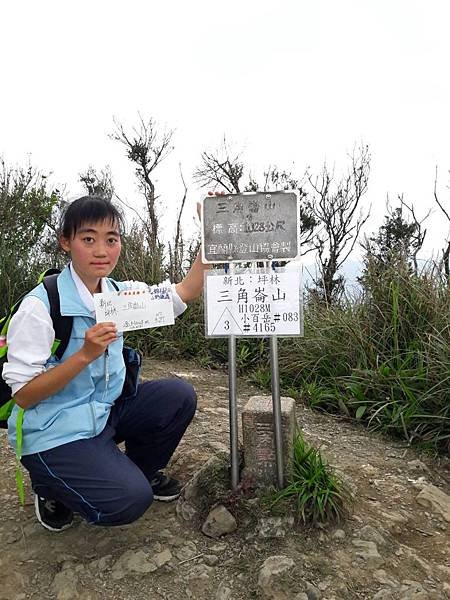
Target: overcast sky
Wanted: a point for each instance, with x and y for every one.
(292, 83)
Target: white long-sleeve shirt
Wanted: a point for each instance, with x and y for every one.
(31, 334)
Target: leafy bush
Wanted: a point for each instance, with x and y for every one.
(28, 214)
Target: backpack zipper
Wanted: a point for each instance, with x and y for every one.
(104, 391)
(106, 368)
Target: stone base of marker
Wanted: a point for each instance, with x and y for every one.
(259, 442)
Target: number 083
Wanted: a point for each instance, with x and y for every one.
(290, 316)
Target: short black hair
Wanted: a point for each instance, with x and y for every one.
(89, 209)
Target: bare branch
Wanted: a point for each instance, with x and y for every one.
(146, 148)
(418, 235)
(445, 264)
(220, 168)
(437, 199)
(334, 205)
(176, 253)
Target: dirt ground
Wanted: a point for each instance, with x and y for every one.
(392, 546)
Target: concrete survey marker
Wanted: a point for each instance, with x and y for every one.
(258, 435)
(250, 227)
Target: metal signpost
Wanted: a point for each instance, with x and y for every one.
(275, 381)
(256, 302)
(234, 441)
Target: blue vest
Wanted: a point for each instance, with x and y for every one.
(81, 408)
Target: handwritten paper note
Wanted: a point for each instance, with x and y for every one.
(136, 309)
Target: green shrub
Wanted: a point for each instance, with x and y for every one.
(28, 215)
(317, 492)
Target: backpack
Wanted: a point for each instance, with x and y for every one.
(63, 328)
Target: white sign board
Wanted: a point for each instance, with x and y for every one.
(262, 304)
(136, 309)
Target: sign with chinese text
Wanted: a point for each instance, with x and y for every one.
(136, 309)
(262, 304)
(250, 227)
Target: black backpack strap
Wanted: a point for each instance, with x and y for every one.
(114, 284)
(61, 324)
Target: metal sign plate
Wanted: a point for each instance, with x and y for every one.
(250, 227)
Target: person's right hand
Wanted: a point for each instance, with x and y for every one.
(97, 339)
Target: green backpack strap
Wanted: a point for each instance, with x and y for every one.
(63, 328)
(19, 437)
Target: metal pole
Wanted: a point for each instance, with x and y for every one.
(276, 409)
(234, 447)
(276, 402)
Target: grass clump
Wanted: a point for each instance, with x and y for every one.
(382, 358)
(317, 492)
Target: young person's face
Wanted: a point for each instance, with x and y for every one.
(94, 249)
